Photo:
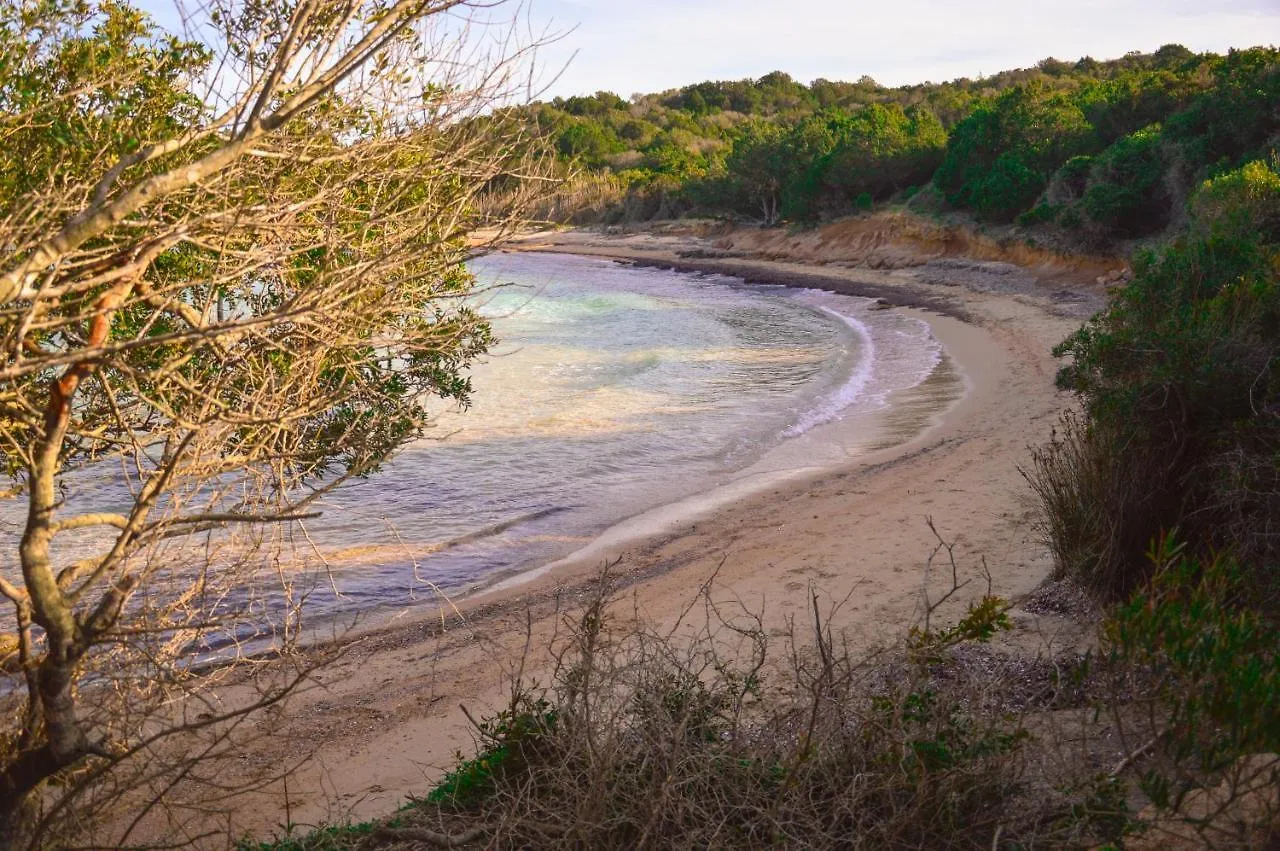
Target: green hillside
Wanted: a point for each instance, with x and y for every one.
(1103, 151)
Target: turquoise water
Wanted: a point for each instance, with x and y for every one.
(613, 389)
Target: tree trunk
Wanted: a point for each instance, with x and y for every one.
(25, 775)
(18, 822)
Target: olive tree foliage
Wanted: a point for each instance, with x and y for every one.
(230, 273)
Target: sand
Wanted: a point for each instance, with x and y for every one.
(383, 723)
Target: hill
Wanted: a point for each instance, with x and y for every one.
(1097, 153)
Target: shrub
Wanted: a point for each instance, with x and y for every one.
(1241, 202)
(1181, 416)
(1236, 118)
(1194, 663)
(1070, 218)
(998, 159)
(511, 739)
(645, 739)
(589, 141)
(1069, 181)
(1008, 188)
(1043, 213)
(1199, 632)
(1125, 194)
(1095, 508)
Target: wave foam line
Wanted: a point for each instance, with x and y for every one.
(845, 395)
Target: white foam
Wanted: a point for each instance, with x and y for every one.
(870, 384)
(830, 408)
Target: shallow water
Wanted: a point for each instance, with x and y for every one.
(613, 389)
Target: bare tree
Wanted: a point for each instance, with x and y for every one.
(231, 267)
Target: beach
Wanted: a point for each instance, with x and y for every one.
(459, 425)
(384, 722)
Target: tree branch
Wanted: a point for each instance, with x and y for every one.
(85, 521)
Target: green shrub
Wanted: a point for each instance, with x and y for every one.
(1241, 203)
(589, 141)
(998, 159)
(1074, 174)
(877, 151)
(1070, 218)
(1194, 663)
(511, 739)
(1209, 644)
(1008, 188)
(1235, 119)
(1182, 416)
(1126, 196)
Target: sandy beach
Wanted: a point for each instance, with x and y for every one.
(384, 723)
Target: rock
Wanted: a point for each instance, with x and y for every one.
(703, 254)
(1116, 278)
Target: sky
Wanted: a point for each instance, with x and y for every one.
(630, 47)
(640, 46)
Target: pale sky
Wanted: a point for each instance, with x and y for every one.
(630, 46)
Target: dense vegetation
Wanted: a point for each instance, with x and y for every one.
(1102, 151)
(1163, 495)
(1178, 378)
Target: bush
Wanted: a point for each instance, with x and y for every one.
(1198, 630)
(648, 740)
(512, 739)
(589, 141)
(1070, 181)
(1094, 506)
(998, 159)
(1241, 203)
(1193, 660)
(1008, 188)
(1040, 214)
(1181, 416)
(1125, 196)
(1236, 119)
(1070, 218)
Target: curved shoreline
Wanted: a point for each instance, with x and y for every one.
(386, 719)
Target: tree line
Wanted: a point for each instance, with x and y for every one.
(1102, 151)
